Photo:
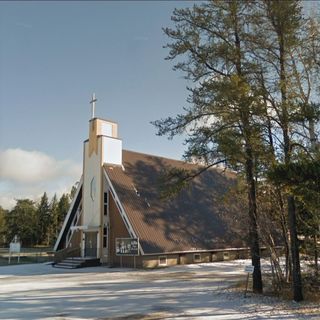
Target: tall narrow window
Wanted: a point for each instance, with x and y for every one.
(105, 203)
(93, 188)
(105, 236)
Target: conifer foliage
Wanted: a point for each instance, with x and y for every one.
(252, 69)
(34, 223)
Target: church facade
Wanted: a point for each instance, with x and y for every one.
(117, 215)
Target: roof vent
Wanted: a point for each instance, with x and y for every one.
(146, 201)
(136, 191)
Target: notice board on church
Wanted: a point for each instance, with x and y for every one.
(127, 246)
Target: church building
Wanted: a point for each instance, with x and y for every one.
(118, 218)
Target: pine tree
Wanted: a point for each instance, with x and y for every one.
(44, 221)
(54, 217)
(3, 214)
(280, 50)
(220, 123)
(63, 207)
(22, 221)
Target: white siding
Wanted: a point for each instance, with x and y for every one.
(106, 129)
(112, 151)
(92, 169)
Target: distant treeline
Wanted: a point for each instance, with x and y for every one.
(35, 222)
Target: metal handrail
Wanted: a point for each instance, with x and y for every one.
(66, 253)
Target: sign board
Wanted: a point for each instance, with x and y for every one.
(15, 247)
(127, 247)
(249, 269)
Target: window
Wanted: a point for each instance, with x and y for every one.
(197, 257)
(162, 260)
(93, 188)
(105, 236)
(105, 202)
(226, 256)
(105, 198)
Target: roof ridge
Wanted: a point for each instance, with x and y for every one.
(157, 156)
(215, 168)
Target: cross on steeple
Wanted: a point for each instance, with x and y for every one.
(93, 104)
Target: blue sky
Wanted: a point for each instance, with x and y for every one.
(53, 55)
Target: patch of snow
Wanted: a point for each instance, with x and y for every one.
(200, 291)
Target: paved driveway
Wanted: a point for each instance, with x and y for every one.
(181, 292)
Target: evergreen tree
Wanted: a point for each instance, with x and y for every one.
(281, 48)
(22, 221)
(54, 218)
(3, 214)
(73, 191)
(63, 207)
(220, 123)
(44, 217)
(253, 66)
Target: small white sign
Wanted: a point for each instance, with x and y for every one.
(15, 247)
(249, 269)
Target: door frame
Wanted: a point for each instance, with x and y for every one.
(83, 249)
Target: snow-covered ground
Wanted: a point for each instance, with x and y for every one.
(182, 292)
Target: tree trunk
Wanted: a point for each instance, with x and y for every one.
(316, 267)
(285, 235)
(251, 184)
(253, 228)
(296, 272)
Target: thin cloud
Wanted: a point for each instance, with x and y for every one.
(27, 174)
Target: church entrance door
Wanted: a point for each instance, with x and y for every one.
(90, 249)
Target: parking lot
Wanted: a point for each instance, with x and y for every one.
(201, 291)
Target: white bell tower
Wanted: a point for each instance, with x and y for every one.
(103, 146)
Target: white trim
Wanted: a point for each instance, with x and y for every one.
(98, 245)
(75, 228)
(68, 214)
(91, 229)
(162, 264)
(203, 250)
(123, 214)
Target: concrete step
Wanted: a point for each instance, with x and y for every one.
(71, 263)
(74, 261)
(64, 266)
(77, 262)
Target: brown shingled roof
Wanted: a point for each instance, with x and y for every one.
(189, 222)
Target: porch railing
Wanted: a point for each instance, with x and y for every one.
(66, 253)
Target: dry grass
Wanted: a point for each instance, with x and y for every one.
(311, 288)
